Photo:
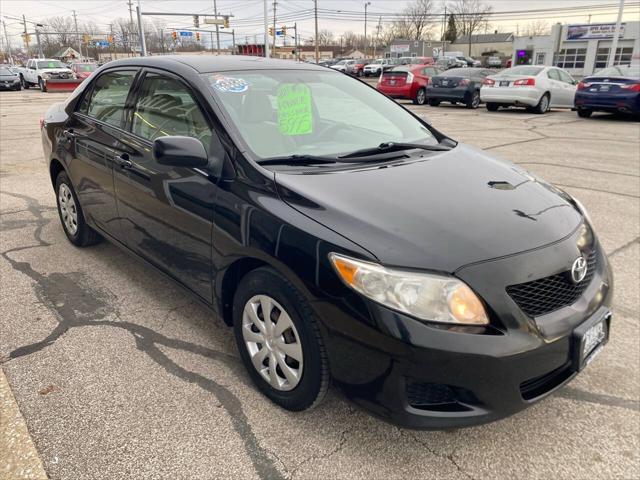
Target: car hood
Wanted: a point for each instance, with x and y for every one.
(57, 70)
(442, 212)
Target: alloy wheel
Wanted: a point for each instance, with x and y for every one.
(273, 343)
(421, 97)
(475, 101)
(68, 209)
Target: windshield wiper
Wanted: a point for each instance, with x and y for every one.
(298, 160)
(394, 147)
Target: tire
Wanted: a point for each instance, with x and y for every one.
(42, 85)
(492, 107)
(18, 88)
(584, 112)
(474, 101)
(433, 102)
(307, 386)
(25, 84)
(543, 104)
(359, 73)
(421, 97)
(82, 235)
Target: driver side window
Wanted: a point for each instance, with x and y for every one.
(166, 107)
(553, 74)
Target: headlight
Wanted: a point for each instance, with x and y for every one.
(427, 296)
(46, 75)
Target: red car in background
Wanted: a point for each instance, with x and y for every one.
(407, 81)
(83, 70)
(357, 69)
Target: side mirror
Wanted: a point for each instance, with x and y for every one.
(180, 152)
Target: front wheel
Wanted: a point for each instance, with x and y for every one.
(492, 107)
(279, 340)
(433, 102)
(474, 101)
(42, 84)
(584, 112)
(25, 84)
(359, 73)
(421, 97)
(71, 215)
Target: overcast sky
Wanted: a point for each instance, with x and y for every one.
(248, 14)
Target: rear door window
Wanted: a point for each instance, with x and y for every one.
(565, 77)
(553, 74)
(107, 99)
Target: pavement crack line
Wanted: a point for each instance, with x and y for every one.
(449, 457)
(622, 248)
(75, 303)
(341, 444)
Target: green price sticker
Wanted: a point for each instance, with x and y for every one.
(294, 109)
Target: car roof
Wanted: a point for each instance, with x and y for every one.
(211, 63)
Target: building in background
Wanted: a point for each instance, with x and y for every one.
(412, 48)
(579, 49)
(486, 44)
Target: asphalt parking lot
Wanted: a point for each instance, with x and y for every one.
(119, 374)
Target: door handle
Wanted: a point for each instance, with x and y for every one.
(123, 161)
(69, 134)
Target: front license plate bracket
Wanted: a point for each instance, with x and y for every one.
(588, 339)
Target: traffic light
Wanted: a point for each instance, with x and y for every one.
(174, 35)
(271, 31)
(86, 38)
(110, 38)
(197, 36)
(196, 21)
(226, 21)
(283, 29)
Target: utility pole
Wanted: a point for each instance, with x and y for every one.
(233, 39)
(614, 42)
(75, 22)
(40, 53)
(112, 42)
(274, 26)
(266, 31)
(211, 38)
(215, 12)
(143, 44)
(366, 4)
(295, 38)
(162, 40)
(26, 35)
(444, 29)
(130, 42)
(315, 12)
(6, 37)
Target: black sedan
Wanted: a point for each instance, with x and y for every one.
(342, 237)
(614, 89)
(458, 85)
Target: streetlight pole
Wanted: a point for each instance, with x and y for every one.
(315, 10)
(614, 42)
(365, 27)
(274, 28)
(215, 12)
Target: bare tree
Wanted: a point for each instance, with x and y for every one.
(325, 37)
(471, 16)
(537, 27)
(420, 19)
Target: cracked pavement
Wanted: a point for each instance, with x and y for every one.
(120, 374)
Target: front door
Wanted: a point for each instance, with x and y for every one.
(167, 212)
(93, 139)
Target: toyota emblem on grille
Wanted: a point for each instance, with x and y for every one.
(578, 270)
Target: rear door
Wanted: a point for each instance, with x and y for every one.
(559, 92)
(569, 87)
(167, 212)
(93, 135)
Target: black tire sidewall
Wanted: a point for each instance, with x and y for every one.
(424, 98)
(77, 239)
(312, 385)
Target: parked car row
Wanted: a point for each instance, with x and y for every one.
(536, 88)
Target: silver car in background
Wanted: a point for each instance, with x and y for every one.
(344, 66)
(537, 88)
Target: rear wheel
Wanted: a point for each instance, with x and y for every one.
(71, 215)
(279, 340)
(492, 107)
(25, 84)
(359, 73)
(584, 112)
(421, 97)
(543, 104)
(433, 102)
(474, 101)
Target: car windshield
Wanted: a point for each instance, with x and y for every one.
(5, 71)
(459, 72)
(280, 113)
(522, 71)
(341, 62)
(632, 71)
(50, 64)
(86, 67)
(401, 68)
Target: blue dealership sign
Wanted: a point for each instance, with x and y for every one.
(186, 34)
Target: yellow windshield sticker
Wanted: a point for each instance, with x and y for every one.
(294, 109)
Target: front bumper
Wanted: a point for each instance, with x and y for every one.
(9, 85)
(428, 376)
(619, 102)
(510, 95)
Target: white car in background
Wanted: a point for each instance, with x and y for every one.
(534, 87)
(344, 66)
(377, 66)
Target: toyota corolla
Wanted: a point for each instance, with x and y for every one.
(343, 238)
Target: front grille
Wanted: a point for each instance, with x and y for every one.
(423, 394)
(549, 294)
(538, 386)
